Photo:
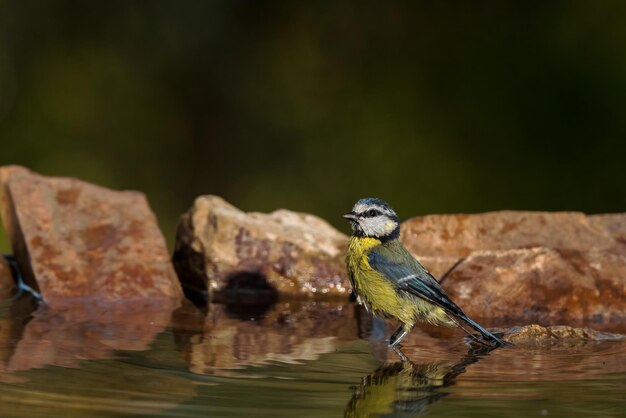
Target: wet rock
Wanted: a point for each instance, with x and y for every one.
(7, 284)
(556, 335)
(74, 240)
(541, 285)
(220, 248)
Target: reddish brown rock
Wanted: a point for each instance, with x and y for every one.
(539, 266)
(556, 336)
(615, 225)
(535, 266)
(7, 284)
(541, 285)
(219, 247)
(74, 240)
(460, 235)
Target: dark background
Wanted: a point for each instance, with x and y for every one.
(437, 106)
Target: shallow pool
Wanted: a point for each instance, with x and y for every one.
(292, 359)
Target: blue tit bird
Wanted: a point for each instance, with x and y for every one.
(390, 282)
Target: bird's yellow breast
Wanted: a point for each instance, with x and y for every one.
(371, 287)
(379, 294)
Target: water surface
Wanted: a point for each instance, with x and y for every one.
(290, 359)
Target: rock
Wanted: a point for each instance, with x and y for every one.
(76, 241)
(541, 285)
(537, 266)
(556, 336)
(615, 225)
(460, 235)
(7, 284)
(220, 248)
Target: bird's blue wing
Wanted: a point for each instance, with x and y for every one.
(412, 278)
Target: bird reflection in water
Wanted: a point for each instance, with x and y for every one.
(405, 388)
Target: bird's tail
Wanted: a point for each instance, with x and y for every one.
(488, 336)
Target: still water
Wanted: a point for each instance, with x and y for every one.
(286, 360)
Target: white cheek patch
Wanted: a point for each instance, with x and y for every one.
(378, 226)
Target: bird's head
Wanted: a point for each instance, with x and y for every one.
(371, 217)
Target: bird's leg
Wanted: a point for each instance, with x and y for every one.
(395, 334)
(400, 354)
(396, 338)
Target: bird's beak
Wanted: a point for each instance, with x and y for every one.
(351, 216)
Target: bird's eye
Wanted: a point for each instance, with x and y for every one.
(371, 213)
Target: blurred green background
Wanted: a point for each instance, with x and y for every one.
(436, 106)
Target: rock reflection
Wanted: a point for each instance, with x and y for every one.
(231, 337)
(406, 388)
(66, 335)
